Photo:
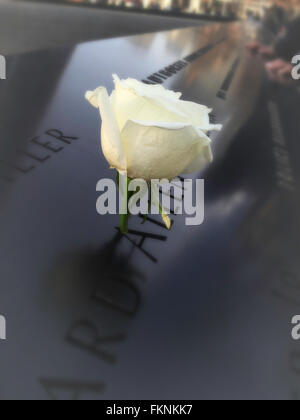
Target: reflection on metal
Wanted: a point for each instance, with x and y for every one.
(222, 94)
(169, 71)
(284, 171)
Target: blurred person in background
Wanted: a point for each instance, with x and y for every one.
(287, 46)
(279, 55)
(275, 18)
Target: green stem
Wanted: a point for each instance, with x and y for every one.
(124, 223)
(124, 217)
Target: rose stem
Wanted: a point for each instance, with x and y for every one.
(125, 217)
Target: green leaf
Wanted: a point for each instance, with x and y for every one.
(165, 217)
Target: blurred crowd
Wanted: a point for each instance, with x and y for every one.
(224, 8)
(251, 9)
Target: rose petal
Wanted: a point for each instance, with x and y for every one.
(160, 150)
(110, 135)
(149, 91)
(198, 115)
(203, 155)
(129, 103)
(132, 99)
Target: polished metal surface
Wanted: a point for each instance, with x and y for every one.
(202, 312)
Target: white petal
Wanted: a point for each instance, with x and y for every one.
(211, 127)
(160, 150)
(197, 115)
(149, 91)
(129, 103)
(92, 97)
(134, 100)
(110, 135)
(204, 155)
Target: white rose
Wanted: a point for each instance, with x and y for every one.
(149, 133)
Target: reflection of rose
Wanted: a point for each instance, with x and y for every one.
(149, 133)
